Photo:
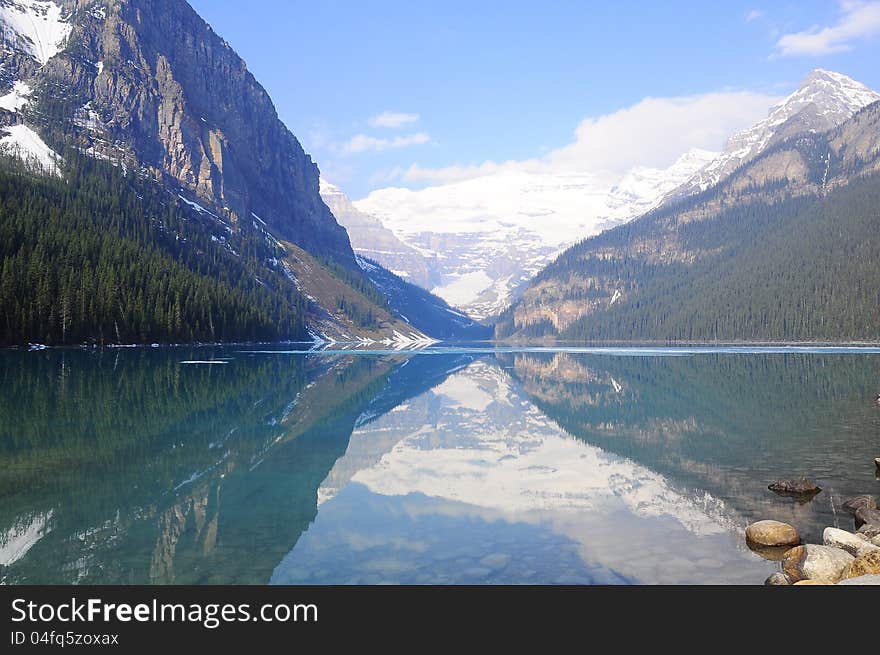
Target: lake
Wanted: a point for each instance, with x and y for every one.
(449, 465)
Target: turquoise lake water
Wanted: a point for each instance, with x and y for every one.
(451, 465)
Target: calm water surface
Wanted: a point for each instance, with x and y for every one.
(452, 465)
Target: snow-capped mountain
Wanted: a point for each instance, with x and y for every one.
(491, 234)
(823, 100)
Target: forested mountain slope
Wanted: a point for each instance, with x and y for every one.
(101, 258)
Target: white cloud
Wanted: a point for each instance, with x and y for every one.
(754, 14)
(858, 20)
(393, 119)
(416, 173)
(364, 142)
(653, 132)
(656, 131)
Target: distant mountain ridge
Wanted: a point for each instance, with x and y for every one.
(491, 234)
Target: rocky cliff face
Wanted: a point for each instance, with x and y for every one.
(149, 83)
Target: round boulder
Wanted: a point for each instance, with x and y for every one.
(777, 580)
(854, 504)
(765, 534)
(820, 563)
(853, 544)
(867, 564)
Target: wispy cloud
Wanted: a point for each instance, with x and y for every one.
(653, 133)
(754, 14)
(393, 119)
(364, 142)
(858, 20)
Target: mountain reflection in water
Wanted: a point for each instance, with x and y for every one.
(467, 466)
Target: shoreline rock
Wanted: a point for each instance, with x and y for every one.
(866, 564)
(854, 504)
(871, 579)
(802, 487)
(777, 580)
(867, 516)
(771, 534)
(869, 530)
(817, 563)
(854, 544)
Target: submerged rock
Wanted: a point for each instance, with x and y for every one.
(820, 563)
(763, 534)
(770, 553)
(855, 545)
(852, 505)
(867, 516)
(802, 487)
(871, 579)
(867, 564)
(777, 580)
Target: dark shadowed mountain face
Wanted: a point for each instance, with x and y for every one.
(149, 83)
(422, 309)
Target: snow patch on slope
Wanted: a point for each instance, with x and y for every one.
(17, 98)
(23, 142)
(39, 25)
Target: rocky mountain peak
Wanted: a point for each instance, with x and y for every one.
(836, 96)
(823, 100)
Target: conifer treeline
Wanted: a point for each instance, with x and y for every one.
(100, 257)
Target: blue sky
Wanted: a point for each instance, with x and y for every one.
(388, 93)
